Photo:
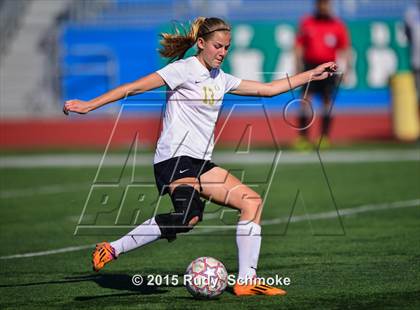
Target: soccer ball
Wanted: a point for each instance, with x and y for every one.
(206, 277)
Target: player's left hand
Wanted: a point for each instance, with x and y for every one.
(323, 71)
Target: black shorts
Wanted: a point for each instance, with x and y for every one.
(325, 88)
(180, 167)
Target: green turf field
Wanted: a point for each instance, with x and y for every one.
(369, 258)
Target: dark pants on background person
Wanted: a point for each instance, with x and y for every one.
(326, 89)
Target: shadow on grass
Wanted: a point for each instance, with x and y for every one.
(120, 282)
(107, 280)
(125, 292)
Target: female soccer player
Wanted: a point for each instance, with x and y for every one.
(182, 162)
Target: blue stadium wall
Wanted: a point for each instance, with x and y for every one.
(96, 58)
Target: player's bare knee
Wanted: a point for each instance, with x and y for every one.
(252, 207)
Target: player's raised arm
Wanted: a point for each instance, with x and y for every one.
(274, 88)
(141, 85)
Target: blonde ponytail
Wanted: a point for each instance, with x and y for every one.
(177, 44)
(174, 46)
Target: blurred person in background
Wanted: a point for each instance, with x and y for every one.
(321, 38)
(412, 30)
(182, 164)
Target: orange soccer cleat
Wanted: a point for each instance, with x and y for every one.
(256, 289)
(103, 254)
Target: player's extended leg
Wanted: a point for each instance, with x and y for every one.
(143, 234)
(223, 188)
(188, 211)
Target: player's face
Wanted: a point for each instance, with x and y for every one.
(215, 49)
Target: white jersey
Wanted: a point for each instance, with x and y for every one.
(192, 107)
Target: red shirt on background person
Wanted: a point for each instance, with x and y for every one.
(321, 37)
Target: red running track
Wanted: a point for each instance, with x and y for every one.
(83, 132)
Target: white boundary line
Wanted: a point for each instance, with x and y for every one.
(258, 157)
(50, 252)
(293, 219)
(54, 189)
(220, 157)
(44, 190)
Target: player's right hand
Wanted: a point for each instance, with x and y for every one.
(76, 106)
(324, 71)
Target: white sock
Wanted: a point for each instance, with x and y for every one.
(141, 235)
(248, 240)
